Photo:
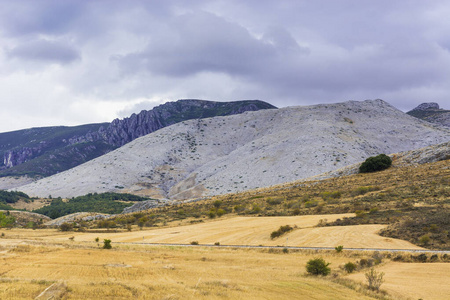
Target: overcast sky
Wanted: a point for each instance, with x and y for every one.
(66, 62)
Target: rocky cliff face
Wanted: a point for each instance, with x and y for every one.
(55, 148)
(431, 112)
(120, 132)
(16, 157)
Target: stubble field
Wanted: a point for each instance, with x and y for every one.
(33, 260)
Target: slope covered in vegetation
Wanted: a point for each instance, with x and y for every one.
(110, 203)
(398, 197)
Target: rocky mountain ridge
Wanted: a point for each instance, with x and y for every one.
(431, 112)
(49, 150)
(218, 155)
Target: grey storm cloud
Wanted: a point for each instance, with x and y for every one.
(203, 42)
(45, 51)
(118, 55)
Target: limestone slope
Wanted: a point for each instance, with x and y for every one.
(255, 149)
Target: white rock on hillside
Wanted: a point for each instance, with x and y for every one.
(255, 149)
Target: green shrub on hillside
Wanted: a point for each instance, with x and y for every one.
(375, 163)
(6, 220)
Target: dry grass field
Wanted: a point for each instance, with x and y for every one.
(33, 260)
(241, 231)
(132, 272)
(31, 205)
(414, 280)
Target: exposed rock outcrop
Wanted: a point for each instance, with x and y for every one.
(427, 106)
(120, 132)
(431, 112)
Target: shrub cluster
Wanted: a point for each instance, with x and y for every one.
(282, 230)
(6, 220)
(375, 163)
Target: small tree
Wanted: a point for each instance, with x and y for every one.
(318, 266)
(375, 163)
(107, 244)
(374, 279)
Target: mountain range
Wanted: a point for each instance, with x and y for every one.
(202, 157)
(40, 152)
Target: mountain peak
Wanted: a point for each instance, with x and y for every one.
(431, 112)
(427, 106)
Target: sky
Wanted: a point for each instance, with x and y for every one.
(72, 62)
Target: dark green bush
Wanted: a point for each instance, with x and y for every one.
(318, 266)
(282, 230)
(107, 244)
(66, 227)
(375, 163)
(339, 248)
(350, 267)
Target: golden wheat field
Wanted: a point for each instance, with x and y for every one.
(243, 231)
(34, 260)
(163, 273)
(414, 280)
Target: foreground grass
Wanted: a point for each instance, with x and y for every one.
(131, 272)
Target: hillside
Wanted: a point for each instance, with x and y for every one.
(219, 155)
(431, 112)
(412, 199)
(40, 152)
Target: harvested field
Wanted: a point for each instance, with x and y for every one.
(414, 280)
(34, 260)
(164, 273)
(252, 231)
